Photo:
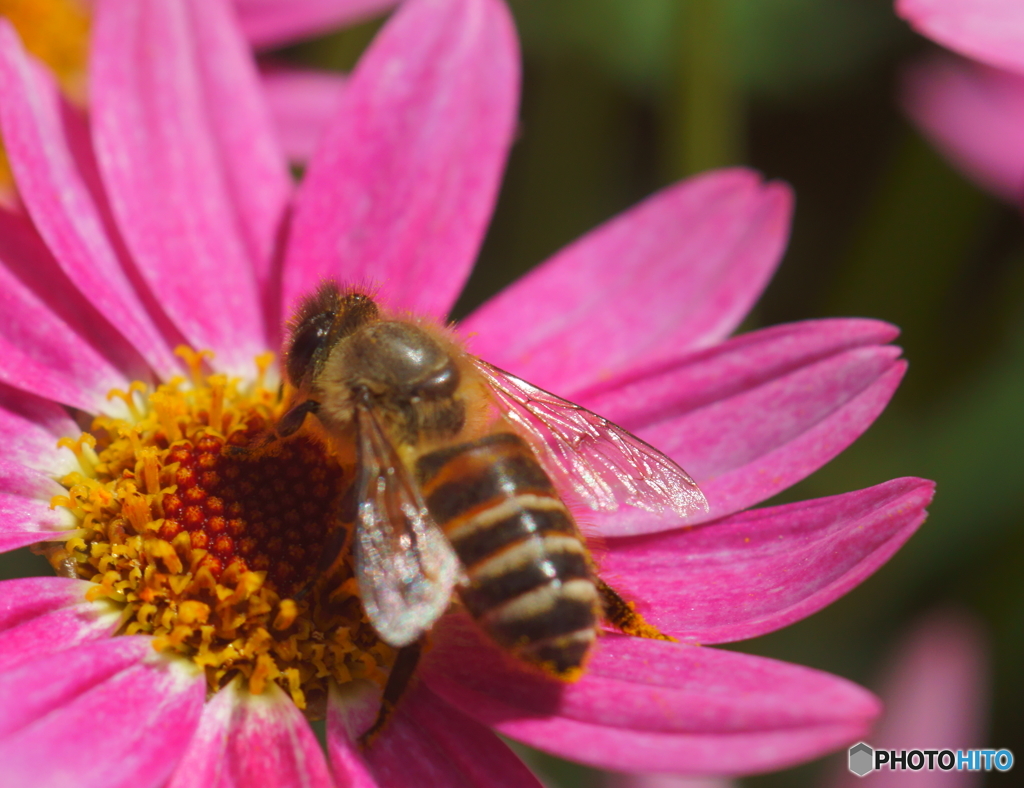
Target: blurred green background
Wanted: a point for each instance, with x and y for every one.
(621, 97)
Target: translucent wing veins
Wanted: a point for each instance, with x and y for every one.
(604, 465)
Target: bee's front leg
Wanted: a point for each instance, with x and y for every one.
(398, 682)
(623, 616)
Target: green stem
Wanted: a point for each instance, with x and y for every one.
(706, 123)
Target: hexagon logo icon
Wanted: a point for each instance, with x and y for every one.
(862, 759)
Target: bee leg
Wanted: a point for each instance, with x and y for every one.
(398, 682)
(623, 616)
(267, 442)
(259, 448)
(328, 555)
(292, 420)
(335, 541)
(60, 559)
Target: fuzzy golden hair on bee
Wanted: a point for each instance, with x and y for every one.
(322, 318)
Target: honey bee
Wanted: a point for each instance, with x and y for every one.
(455, 489)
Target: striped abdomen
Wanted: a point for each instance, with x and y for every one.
(530, 581)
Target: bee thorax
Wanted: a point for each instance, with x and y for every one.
(401, 361)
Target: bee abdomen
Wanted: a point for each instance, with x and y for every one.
(530, 580)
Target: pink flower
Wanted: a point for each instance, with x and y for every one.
(972, 111)
(936, 692)
(301, 100)
(167, 216)
(272, 23)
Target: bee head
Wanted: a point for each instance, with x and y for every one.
(322, 319)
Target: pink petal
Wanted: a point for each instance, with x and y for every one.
(302, 101)
(653, 706)
(430, 744)
(25, 513)
(59, 630)
(666, 781)
(936, 694)
(175, 101)
(37, 131)
(351, 710)
(751, 444)
(974, 114)
(243, 129)
(52, 340)
(252, 740)
(403, 184)
(40, 616)
(677, 272)
(26, 598)
(764, 569)
(269, 23)
(988, 30)
(115, 720)
(29, 430)
(694, 380)
(31, 691)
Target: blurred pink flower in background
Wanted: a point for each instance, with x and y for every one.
(273, 23)
(666, 781)
(301, 100)
(972, 111)
(168, 215)
(936, 694)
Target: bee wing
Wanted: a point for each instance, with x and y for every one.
(404, 564)
(605, 465)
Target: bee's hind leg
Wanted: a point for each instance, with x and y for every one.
(335, 543)
(398, 682)
(328, 555)
(623, 616)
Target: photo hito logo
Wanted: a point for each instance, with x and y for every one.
(864, 759)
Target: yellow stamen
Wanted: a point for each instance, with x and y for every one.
(192, 612)
(205, 543)
(169, 409)
(128, 397)
(217, 386)
(83, 449)
(148, 468)
(136, 508)
(286, 615)
(194, 361)
(263, 364)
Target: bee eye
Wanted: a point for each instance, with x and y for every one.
(307, 340)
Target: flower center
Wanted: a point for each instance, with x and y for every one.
(56, 32)
(206, 531)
